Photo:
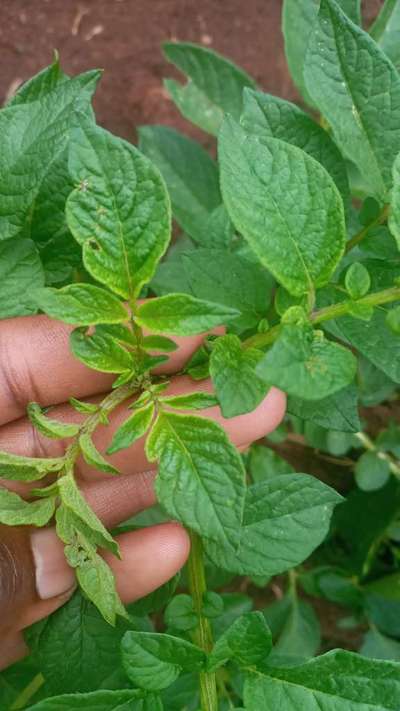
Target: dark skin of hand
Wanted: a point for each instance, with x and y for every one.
(36, 365)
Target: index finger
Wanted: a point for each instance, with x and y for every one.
(36, 365)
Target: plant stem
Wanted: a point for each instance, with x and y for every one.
(26, 694)
(202, 635)
(326, 314)
(363, 233)
(110, 402)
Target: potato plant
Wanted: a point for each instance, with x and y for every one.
(290, 241)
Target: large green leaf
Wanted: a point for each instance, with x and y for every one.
(220, 276)
(338, 680)
(267, 116)
(215, 85)
(305, 364)
(32, 136)
(232, 370)
(153, 661)
(182, 315)
(201, 476)
(357, 89)
(285, 518)
(192, 181)
(386, 30)
(20, 271)
(120, 217)
(286, 206)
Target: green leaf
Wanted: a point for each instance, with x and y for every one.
(295, 628)
(153, 661)
(215, 84)
(132, 429)
(394, 215)
(97, 582)
(247, 642)
(193, 401)
(93, 457)
(50, 428)
(40, 85)
(304, 364)
(159, 343)
(285, 519)
(180, 613)
(33, 135)
(201, 476)
(298, 19)
(87, 408)
(235, 605)
(263, 463)
(191, 177)
(213, 605)
(233, 372)
(393, 320)
(303, 209)
(386, 30)
(340, 680)
(371, 471)
(102, 700)
(100, 351)
(157, 599)
(267, 116)
(74, 502)
(182, 315)
(335, 412)
(121, 218)
(80, 305)
(20, 271)
(17, 468)
(69, 641)
(357, 280)
(367, 336)
(376, 646)
(14, 511)
(223, 277)
(357, 89)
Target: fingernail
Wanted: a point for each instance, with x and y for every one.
(53, 574)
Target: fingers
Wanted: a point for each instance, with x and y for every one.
(36, 364)
(22, 438)
(150, 558)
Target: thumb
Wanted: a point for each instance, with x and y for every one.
(35, 578)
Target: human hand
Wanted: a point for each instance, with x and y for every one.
(36, 364)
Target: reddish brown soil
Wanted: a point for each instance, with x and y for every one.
(124, 38)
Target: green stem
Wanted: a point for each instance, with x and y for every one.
(110, 402)
(202, 635)
(326, 314)
(363, 233)
(26, 694)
